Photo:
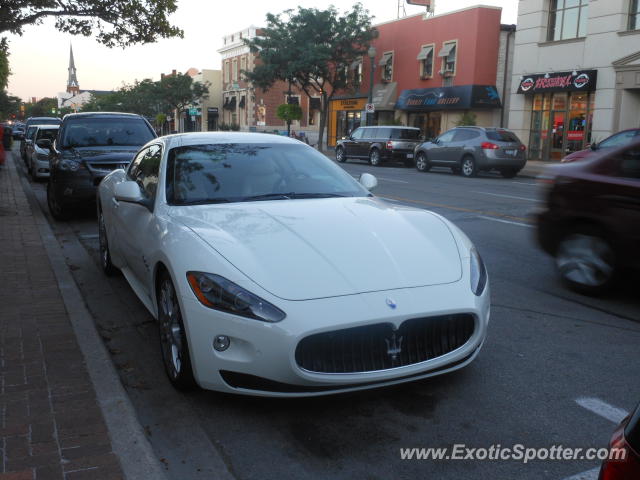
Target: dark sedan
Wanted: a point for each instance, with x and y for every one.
(591, 223)
(88, 147)
(616, 140)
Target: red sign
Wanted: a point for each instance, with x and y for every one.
(575, 135)
(422, 3)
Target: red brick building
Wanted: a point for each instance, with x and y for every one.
(251, 108)
(429, 70)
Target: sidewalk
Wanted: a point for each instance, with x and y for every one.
(51, 424)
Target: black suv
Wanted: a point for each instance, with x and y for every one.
(88, 147)
(35, 121)
(378, 144)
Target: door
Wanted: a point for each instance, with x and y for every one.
(351, 143)
(134, 221)
(462, 138)
(440, 152)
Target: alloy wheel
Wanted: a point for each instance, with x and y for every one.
(421, 162)
(374, 157)
(340, 155)
(468, 167)
(585, 261)
(170, 330)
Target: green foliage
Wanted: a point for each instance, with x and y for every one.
(114, 22)
(161, 119)
(45, 107)
(310, 49)
(179, 91)
(289, 112)
(467, 119)
(4, 63)
(9, 105)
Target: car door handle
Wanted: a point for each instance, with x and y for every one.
(115, 202)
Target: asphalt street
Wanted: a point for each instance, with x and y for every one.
(546, 349)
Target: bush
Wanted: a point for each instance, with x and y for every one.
(467, 119)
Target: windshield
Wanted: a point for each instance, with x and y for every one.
(240, 172)
(103, 132)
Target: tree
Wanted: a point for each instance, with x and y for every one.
(179, 91)
(466, 119)
(9, 105)
(116, 22)
(312, 49)
(45, 107)
(4, 63)
(289, 112)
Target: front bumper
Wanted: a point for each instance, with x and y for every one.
(261, 358)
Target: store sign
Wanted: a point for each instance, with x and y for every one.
(583, 80)
(449, 98)
(349, 104)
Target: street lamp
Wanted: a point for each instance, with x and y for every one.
(372, 58)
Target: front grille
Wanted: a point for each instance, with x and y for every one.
(379, 347)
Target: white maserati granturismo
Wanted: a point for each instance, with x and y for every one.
(272, 271)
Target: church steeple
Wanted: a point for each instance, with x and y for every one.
(72, 82)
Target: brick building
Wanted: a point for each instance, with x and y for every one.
(250, 108)
(429, 70)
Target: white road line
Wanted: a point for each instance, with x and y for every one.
(523, 183)
(588, 475)
(508, 196)
(505, 221)
(391, 180)
(597, 406)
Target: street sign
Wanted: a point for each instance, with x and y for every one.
(370, 108)
(193, 112)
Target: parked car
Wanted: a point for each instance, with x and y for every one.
(625, 439)
(38, 150)
(468, 150)
(36, 121)
(17, 131)
(616, 140)
(87, 148)
(254, 253)
(379, 144)
(591, 220)
(27, 140)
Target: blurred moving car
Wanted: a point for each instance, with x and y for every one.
(253, 253)
(38, 149)
(626, 438)
(591, 221)
(36, 121)
(616, 140)
(379, 144)
(468, 150)
(88, 147)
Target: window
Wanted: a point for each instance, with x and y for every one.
(446, 137)
(449, 58)
(235, 69)
(243, 63)
(144, 170)
(629, 164)
(405, 134)
(425, 57)
(502, 136)
(356, 75)
(619, 139)
(226, 71)
(567, 19)
(465, 134)
(386, 64)
(634, 15)
(357, 135)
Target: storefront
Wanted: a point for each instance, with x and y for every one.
(561, 113)
(434, 110)
(345, 115)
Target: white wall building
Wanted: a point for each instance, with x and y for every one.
(576, 73)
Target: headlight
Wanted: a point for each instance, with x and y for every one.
(67, 164)
(217, 292)
(478, 272)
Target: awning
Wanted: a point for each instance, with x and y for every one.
(314, 104)
(465, 97)
(446, 49)
(229, 103)
(385, 59)
(424, 52)
(384, 95)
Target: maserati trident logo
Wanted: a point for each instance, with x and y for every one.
(391, 303)
(394, 346)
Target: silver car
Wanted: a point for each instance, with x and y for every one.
(468, 150)
(37, 151)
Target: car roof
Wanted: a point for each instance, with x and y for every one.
(395, 127)
(45, 127)
(102, 115)
(203, 138)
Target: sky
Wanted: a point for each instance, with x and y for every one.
(40, 57)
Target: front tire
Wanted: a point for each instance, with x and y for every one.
(586, 261)
(108, 268)
(173, 337)
(422, 163)
(340, 155)
(57, 209)
(468, 167)
(374, 157)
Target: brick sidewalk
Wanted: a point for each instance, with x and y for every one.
(51, 426)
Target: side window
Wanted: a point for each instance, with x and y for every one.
(464, 135)
(629, 163)
(447, 136)
(357, 135)
(618, 140)
(145, 170)
(383, 134)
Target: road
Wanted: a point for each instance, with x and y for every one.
(546, 348)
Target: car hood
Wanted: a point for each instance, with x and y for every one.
(103, 154)
(318, 248)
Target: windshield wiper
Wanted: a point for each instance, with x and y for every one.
(318, 195)
(203, 202)
(269, 196)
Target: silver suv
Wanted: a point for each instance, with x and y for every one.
(468, 150)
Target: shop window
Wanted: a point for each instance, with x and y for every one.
(567, 19)
(634, 15)
(386, 64)
(425, 57)
(449, 58)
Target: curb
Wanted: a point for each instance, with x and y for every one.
(136, 456)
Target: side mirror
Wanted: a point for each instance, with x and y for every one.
(594, 146)
(368, 181)
(128, 191)
(44, 143)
